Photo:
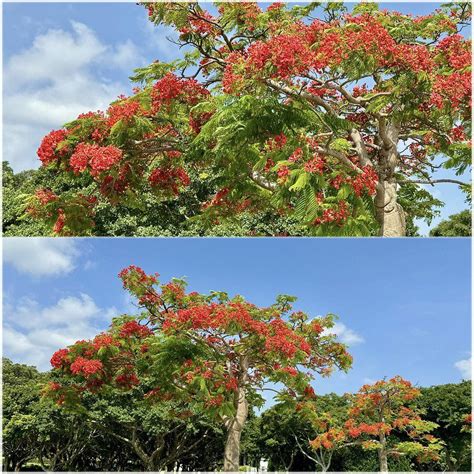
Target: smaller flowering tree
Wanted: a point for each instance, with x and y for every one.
(213, 353)
(376, 412)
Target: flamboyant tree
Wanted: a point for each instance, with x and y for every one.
(213, 353)
(375, 412)
(331, 117)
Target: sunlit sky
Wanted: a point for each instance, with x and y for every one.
(61, 59)
(403, 304)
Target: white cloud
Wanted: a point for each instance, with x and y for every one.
(368, 381)
(157, 36)
(127, 56)
(345, 334)
(41, 256)
(32, 333)
(55, 80)
(464, 366)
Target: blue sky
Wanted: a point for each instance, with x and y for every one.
(61, 59)
(403, 305)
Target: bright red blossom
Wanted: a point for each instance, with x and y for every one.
(86, 367)
(47, 150)
(96, 157)
(60, 358)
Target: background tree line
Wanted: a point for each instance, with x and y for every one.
(120, 434)
(171, 218)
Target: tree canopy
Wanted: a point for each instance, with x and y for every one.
(208, 353)
(41, 435)
(334, 119)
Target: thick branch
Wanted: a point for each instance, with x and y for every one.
(432, 182)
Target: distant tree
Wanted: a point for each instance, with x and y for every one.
(375, 413)
(116, 432)
(448, 406)
(457, 225)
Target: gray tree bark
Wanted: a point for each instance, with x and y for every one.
(389, 213)
(382, 451)
(236, 424)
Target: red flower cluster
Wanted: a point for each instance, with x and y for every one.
(315, 165)
(453, 89)
(47, 150)
(133, 328)
(457, 51)
(230, 79)
(127, 380)
(283, 173)
(367, 180)
(133, 274)
(173, 290)
(288, 54)
(104, 340)
(457, 134)
(231, 384)
(113, 185)
(98, 158)
(334, 215)
(414, 57)
(296, 155)
(219, 199)
(215, 401)
(278, 142)
(60, 222)
(45, 196)
(169, 179)
(203, 25)
(122, 111)
(197, 121)
(60, 358)
(171, 87)
(290, 371)
(86, 367)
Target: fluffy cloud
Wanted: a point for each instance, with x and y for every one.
(32, 333)
(58, 77)
(345, 334)
(464, 366)
(41, 256)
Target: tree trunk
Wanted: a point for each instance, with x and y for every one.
(383, 453)
(389, 213)
(236, 424)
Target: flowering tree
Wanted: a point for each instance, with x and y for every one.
(334, 119)
(212, 353)
(376, 411)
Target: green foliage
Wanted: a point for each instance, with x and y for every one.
(447, 405)
(456, 225)
(152, 217)
(35, 432)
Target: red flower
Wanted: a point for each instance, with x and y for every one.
(60, 222)
(133, 328)
(86, 367)
(169, 179)
(290, 371)
(59, 358)
(45, 196)
(127, 380)
(122, 111)
(315, 165)
(97, 157)
(47, 150)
